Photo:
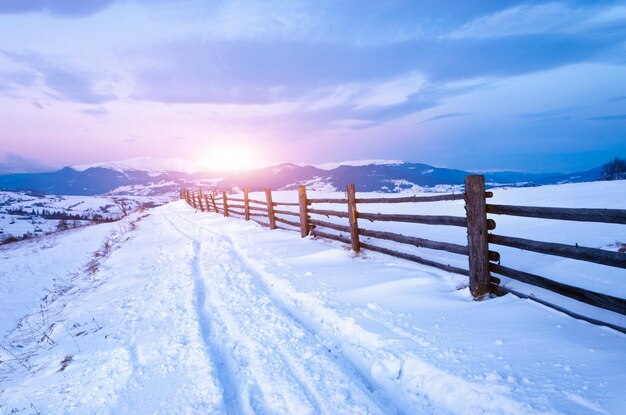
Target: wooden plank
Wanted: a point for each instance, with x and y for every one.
(424, 219)
(287, 203)
(200, 200)
(477, 236)
(498, 290)
(270, 209)
(581, 253)
(236, 199)
(260, 223)
(288, 222)
(234, 205)
(246, 204)
(580, 215)
(304, 216)
(321, 234)
(225, 203)
(214, 204)
(206, 202)
(418, 242)
(415, 258)
(353, 218)
(260, 202)
(412, 199)
(322, 200)
(260, 215)
(600, 300)
(329, 213)
(287, 212)
(341, 228)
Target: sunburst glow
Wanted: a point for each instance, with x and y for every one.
(236, 158)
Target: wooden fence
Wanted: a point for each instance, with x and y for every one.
(482, 261)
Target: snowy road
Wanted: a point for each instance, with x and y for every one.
(188, 312)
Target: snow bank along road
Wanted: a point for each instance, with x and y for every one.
(176, 311)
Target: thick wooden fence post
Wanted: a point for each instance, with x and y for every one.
(270, 209)
(246, 204)
(477, 236)
(187, 197)
(304, 217)
(214, 204)
(193, 200)
(352, 217)
(206, 202)
(225, 202)
(200, 200)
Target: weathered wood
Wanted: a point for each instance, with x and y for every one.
(270, 209)
(246, 204)
(579, 215)
(341, 228)
(206, 202)
(260, 215)
(260, 223)
(327, 200)
(596, 299)
(214, 204)
(321, 234)
(286, 212)
(418, 242)
(257, 201)
(288, 222)
(500, 291)
(353, 218)
(225, 203)
(477, 236)
(235, 211)
(412, 199)
(200, 200)
(286, 203)
(329, 213)
(423, 219)
(193, 200)
(304, 216)
(581, 253)
(236, 199)
(415, 258)
(234, 205)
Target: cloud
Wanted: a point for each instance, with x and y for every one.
(445, 116)
(64, 84)
(96, 112)
(608, 117)
(14, 163)
(548, 18)
(66, 8)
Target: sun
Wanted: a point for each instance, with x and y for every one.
(233, 158)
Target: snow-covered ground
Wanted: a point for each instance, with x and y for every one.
(177, 311)
(33, 224)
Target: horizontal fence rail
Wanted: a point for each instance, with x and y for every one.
(482, 261)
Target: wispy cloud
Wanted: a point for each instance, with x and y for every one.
(531, 19)
(446, 116)
(608, 117)
(14, 163)
(67, 8)
(63, 83)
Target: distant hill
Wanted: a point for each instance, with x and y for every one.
(148, 177)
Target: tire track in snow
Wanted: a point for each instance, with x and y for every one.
(294, 371)
(224, 370)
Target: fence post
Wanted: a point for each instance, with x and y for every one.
(214, 204)
(193, 200)
(270, 209)
(246, 204)
(352, 217)
(187, 197)
(206, 202)
(225, 202)
(477, 236)
(200, 200)
(304, 217)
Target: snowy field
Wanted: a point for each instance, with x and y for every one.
(177, 311)
(32, 224)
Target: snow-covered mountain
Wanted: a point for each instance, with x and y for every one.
(147, 176)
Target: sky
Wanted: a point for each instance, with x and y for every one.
(481, 85)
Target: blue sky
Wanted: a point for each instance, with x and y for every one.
(479, 85)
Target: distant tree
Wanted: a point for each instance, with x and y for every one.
(123, 205)
(614, 170)
(62, 225)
